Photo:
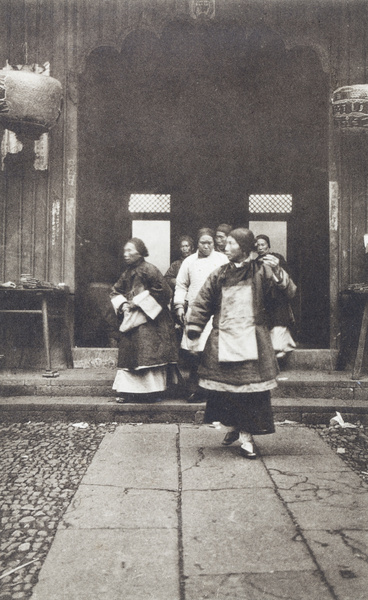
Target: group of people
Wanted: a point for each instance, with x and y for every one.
(231, 299)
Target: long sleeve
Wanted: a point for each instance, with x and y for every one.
(285, 283)
(182, 284)
(171, 274)
(116, 296)
(204, 306)
(192, 275)
(133, 281)
(155, 283)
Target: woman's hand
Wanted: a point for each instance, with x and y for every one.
(126, 307)
(180, 314)
(274, 263)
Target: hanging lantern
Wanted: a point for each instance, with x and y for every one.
(350, 106)
(30, 103)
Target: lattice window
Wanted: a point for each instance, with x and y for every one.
(149, 203)
(270, 203)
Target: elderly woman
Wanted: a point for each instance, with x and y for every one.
(192, 274)
(147, 347)
(238, 367)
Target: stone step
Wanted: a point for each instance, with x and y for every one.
(98, 383)
(99, 409)
(321, 358)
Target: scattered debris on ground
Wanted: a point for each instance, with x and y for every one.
(349, 441)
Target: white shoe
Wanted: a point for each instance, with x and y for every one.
(247, 450)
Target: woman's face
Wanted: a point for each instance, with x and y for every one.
(221, 238)
(185, 248)
(131, 254)
(233, 251)
(205, 245)
(262, 247)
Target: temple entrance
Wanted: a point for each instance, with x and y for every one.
(209, 115)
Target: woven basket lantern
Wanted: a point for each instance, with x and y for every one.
(350, 106)
(30, 103)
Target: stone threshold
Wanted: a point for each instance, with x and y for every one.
(319, 358)
(98, 382)
(99, 409)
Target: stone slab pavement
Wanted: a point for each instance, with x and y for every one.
(164, 512)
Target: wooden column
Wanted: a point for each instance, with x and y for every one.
(70, 147)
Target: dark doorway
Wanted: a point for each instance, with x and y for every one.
(209, 113)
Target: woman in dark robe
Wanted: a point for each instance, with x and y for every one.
(238, 367)
(186, 247)
(148, 350)
(278, 305)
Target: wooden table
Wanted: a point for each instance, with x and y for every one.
(20, 301)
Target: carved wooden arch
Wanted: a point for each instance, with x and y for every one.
(115, 43)
(320, 50)
(291, 42)
(157, 28)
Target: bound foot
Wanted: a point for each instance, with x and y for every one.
(230, 438)
(247, 451)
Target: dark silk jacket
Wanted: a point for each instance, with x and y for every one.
(208, 302)
(152, 343)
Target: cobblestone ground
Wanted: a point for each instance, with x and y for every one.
(350, 443)
(41, 466)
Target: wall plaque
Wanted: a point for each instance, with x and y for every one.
(202, 9)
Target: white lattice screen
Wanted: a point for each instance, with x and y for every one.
(149, 203)
(270, 203)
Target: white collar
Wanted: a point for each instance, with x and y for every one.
(241, 264)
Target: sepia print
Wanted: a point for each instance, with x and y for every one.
(183, 299)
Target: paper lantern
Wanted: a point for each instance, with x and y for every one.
(350, 106)
(30, 103)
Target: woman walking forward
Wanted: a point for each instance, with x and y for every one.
(238, 367)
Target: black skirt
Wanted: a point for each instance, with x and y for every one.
(247, 412)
